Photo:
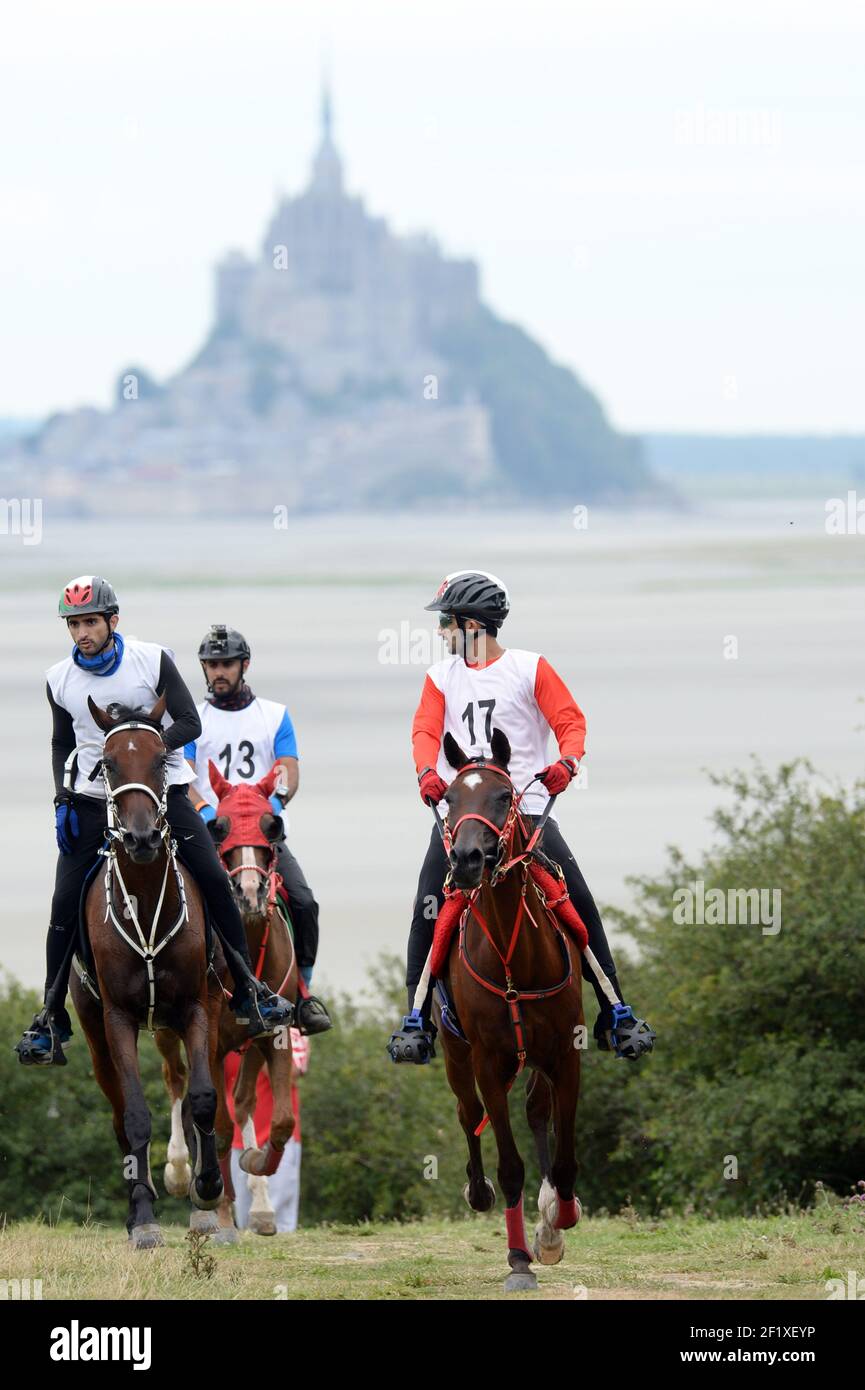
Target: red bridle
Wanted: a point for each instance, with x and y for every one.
(274, 881)
(503, 833)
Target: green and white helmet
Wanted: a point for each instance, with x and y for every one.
(87, 594)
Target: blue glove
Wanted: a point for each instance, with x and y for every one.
(276, 805)
(207, 813)
(65, 824)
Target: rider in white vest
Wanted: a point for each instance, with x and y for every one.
(481, 686)
(126, 674)
(244, 735)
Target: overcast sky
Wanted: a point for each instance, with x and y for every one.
(668, 195)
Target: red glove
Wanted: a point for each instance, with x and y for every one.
(432, 788)
(557, 777)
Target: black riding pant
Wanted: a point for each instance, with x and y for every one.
(430, 897)
(301, 904)
(195, 848)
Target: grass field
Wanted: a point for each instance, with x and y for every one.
(787, 1257)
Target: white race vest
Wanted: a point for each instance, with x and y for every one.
(134, 684)
(240, 742)
(498, 696)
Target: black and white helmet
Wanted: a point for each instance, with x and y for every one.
(223, 643)
(472, 594)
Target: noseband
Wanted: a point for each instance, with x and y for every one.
(115, 829)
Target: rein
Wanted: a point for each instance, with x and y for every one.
(146, 947)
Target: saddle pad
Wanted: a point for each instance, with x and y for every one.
(552, 889)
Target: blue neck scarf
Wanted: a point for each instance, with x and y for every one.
(104, 662)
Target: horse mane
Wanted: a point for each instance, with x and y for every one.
(122, 713)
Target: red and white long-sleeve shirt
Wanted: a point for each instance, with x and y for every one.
(519, 693)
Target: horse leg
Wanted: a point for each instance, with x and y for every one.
(548, 1245)
(103, 1066)
(205, 1188)
(122, 1038)
(478, 1191)
(262, 1217)
(511, 1169)
(566, 1091)
(227, 1234)
(178, 1174)
(264, 1162)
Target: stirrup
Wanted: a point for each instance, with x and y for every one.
(630, 1037)
(42, 1044)
(311, 1016)
(263, 1013)
(413, 1042)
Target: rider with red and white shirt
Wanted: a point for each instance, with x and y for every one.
(479, 687)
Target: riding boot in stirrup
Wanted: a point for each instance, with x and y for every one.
(617, 1029)
(42, 1044)
(261, 1011)
(312, 1016)
(414, 1041)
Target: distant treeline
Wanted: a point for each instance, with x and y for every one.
(827, 460)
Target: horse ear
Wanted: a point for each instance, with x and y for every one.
(101, 716)
(158, 710)
(217, 781)
(268, 781)
(454, 754)
(273, 828)
(501, 749)
(219, 828)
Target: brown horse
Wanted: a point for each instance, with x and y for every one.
(247, 834)
(146, 928)
(514, 980)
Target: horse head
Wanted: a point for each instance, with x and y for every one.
(246, 833)
(134, 762)
(480, 798)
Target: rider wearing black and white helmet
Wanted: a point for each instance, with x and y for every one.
(245, 735)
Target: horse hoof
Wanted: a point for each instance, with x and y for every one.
(225, 1235)
(146, 1237)
(262, 1225)
(205, 1203)
(521, 1279)
(548, 1245)
(177, 1177)
(203, 1221)
(492, 1196)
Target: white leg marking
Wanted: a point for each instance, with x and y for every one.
(178, 1174)
(257, 1186)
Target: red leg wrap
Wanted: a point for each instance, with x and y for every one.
(516, 1229)
(569, 1213)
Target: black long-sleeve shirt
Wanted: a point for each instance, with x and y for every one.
(178, 702)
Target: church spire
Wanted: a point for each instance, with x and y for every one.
(327, 167)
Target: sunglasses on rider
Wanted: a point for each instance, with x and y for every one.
(445, 619)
